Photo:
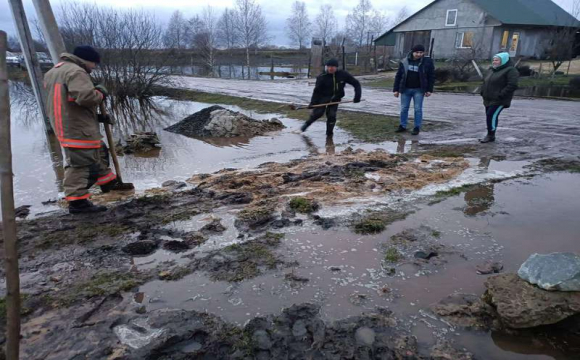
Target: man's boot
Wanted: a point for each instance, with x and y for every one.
(416, 131)
(84, 207)
(401, 129)
(488, 138)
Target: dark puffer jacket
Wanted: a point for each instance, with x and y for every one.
(330, 87)
(426, 74)
(499, 85)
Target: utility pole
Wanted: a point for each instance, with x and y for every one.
(36, 79)
(8, 216)
(49, 29)
(30, 58)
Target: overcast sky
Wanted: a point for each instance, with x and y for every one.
(275, 11)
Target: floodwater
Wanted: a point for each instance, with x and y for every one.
(240, 72)
(346, 273)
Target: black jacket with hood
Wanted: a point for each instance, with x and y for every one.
(426, 74)
(330, 87)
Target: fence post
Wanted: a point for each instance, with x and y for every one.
(8, 216)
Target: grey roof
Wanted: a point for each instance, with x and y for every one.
(515, 12)
(528, 12)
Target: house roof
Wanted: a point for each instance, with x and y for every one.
(510, 12)
(528, 12)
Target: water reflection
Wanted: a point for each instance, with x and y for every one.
(401, 142)
(241, 72)
(481, 197)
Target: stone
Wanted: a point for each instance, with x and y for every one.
(556, 271)
(214, 227)
(174, 185)
(489, 267)
(141, 142)
(425, 255)
(443, 350)
(262, 340)
(365, 336)
(22, 212)
(140, 248)
(520, 304)
(465, 310)
(299, 329)
(176, 246)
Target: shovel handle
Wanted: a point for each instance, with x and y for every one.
(112, 150)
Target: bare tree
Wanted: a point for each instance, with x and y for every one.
(251, 26)
(176, 34)
(358, 21)
(325, 23)
(562, 39)
(130, 43)
(298, 25)
(379, 23)
(204, 29)
(226, 31)
(401, 16)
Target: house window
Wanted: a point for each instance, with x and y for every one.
(504, 39)
(464, 40)
(451, 18)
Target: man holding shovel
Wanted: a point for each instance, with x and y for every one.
(330, 89)
(72, 101)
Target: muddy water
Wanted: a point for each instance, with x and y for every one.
(506, 222)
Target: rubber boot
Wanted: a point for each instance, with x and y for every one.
(84, 207)
(400, 129)
(490, 137)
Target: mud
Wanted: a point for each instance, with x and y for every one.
(216, 121)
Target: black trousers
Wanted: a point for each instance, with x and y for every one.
(317, 114)
(492, 117)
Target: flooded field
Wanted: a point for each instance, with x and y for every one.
(434, 218)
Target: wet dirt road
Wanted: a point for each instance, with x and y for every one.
(548, 124)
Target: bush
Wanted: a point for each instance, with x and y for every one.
(525, 70)
(460, 75)
(575, 82)
(442, 75)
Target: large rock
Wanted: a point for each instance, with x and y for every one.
(522, 305)
(557, 271)
(216, 121)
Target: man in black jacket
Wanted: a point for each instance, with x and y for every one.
(330, 88)
(414, 80)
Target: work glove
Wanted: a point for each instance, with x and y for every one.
(102, 89)
(105, 119)
(356, 100)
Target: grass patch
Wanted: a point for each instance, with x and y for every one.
(303, 205)
(370, 226)
(454, 191)
(392, 255)
(436, 234)
(101, 284)
(179, 216)
(81, 235)
(23, 309)
(176, 273)
(363, 126)
(558, 165)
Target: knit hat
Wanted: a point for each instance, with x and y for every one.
(332, 62)
(87, 53)
(503, 56)
(418, 48)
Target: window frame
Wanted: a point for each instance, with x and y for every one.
(462, 34)
(505, 39)
(454, 20)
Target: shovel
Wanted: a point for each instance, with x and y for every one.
(300, 107)
(112, 150)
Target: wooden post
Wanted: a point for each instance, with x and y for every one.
(49, 29)
(477, 68)
(343, 54)
(8, 216)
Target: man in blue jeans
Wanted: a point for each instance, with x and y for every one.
(414, 80)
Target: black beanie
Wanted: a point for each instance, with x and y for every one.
(418, 48)
(332, 62)
(87, 53)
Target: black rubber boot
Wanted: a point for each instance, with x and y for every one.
(84, 207)
(115, 185)
(400, 129)
(488, 138)
(416, 131)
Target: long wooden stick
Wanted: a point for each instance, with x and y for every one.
(112, 149)
(8, 216)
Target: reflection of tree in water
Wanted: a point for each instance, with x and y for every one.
(481, 197)
(138, 115)
(23, 105)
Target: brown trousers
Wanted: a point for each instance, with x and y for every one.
(85, 168)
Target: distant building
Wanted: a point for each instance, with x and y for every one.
(447, 27)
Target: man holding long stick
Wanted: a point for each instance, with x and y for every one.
(72, 107)
(330, 88)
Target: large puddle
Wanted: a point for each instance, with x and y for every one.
(346, 273)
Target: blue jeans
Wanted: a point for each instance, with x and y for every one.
(417, 95)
